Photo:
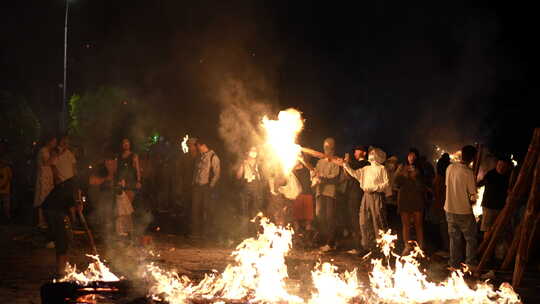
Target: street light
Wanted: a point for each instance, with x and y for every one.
(63, 117)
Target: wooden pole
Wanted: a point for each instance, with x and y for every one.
(511, 253)
(528, 227)
(313, 152)
(88, 232)
(520, 189)
(478, 160)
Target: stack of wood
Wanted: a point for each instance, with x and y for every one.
(526, 186)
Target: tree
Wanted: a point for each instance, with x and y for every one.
(20, 125)
(99, 119)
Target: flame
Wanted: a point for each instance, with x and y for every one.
(477, 207)
(185, 147)
(454, 157)
(406, 283)
(332, 287)
(96, 271)
(259, 275)
(281, 135)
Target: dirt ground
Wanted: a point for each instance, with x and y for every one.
(26, 264)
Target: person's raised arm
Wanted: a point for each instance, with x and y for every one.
(216, 167)
(471, 187)
(240, 171)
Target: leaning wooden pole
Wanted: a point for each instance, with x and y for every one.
(511, 253)
(528, 227)
(520, 190)
(478, 160)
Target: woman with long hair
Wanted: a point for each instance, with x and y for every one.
(128, 177)
(411, 199)
(44, 176)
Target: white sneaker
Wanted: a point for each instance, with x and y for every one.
(325, 248)
(50, 245)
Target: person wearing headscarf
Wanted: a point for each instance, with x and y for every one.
(373, 180)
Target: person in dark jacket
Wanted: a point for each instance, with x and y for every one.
(496, 186)
(355, 193)
(56, 208)
(411, 199)
(438, 216)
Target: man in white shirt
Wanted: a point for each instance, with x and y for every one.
(460, 196)
(65, 163)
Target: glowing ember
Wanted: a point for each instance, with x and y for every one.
(96, 271)
(281, 137)
(185, 148)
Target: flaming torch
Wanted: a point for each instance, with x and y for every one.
(281, 135)
(185, 148)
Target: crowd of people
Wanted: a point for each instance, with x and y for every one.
(334, 199)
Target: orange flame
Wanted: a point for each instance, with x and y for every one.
(96, 271)
(281, 135)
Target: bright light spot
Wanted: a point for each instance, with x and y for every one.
(185, 147)
(477, 207)
(281, 135)
(514, 162)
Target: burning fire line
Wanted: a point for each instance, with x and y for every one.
(259, 275)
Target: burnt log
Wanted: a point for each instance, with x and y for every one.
(71, 292)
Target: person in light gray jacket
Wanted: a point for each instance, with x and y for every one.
(206, 176)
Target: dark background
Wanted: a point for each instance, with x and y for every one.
(384, 73)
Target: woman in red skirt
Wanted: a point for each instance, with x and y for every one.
(303, 210)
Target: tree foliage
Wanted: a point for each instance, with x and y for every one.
(99, 119)
(20, 125)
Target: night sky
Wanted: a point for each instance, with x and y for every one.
(381, 73)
